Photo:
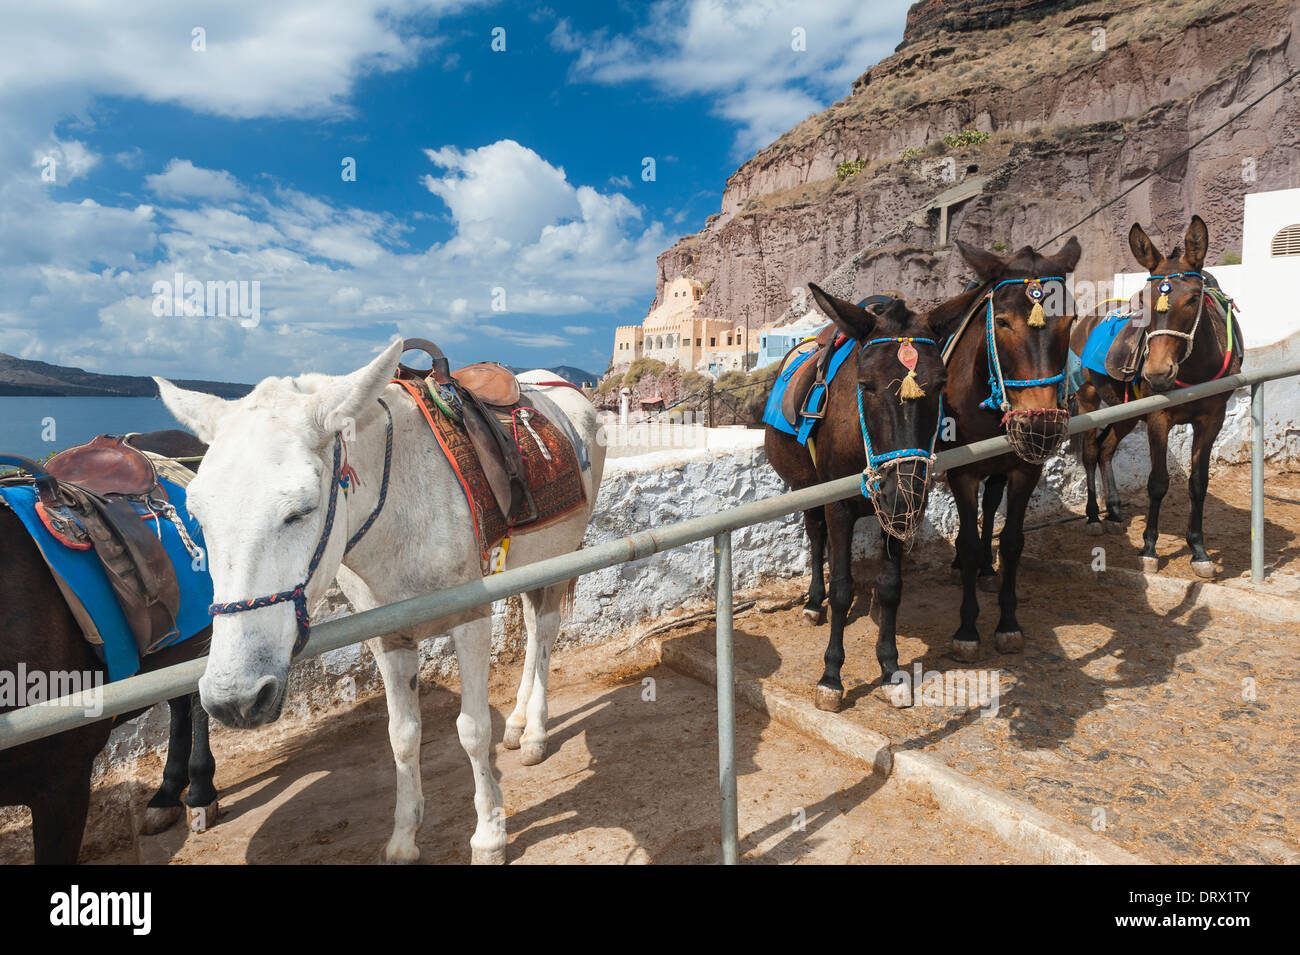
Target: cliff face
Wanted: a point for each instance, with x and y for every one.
(929, 17)
(1075, 115)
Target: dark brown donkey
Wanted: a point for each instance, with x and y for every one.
(1024, 310)
(1188, 340)
(868, 401)
(37, 630)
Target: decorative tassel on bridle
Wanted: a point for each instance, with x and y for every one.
(1037, 317)
(909, 389)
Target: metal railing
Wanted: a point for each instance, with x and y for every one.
(55, 716)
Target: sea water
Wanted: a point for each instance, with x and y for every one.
(37, 427)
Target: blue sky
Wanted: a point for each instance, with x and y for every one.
(499, 205)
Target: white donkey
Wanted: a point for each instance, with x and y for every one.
(264, 498)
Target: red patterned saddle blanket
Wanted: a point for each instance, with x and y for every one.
(551, 468)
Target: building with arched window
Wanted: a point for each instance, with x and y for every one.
(674, 332)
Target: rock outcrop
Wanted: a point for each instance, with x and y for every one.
(1079, 104)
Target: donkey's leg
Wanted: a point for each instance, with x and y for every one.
(1008, 637)
(965, 491)
(1110, 444)
(889, 592)
(1204, 431)
(542, 619)
(165, 807)
(399, 665)
(994, 485)
(518, 718)
(59, 813)
(814, 521)
(1157, 485)
(201, 797)
(839, 524)
(474, 726)
(1089, 452)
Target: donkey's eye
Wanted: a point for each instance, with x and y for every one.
(297, 516)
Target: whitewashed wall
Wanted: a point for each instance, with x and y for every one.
(727, 467)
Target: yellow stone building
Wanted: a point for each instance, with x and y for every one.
(674, 333)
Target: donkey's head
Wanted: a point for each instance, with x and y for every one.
(262, 498)
(900, 382)
(1173, 298)
(1027, 319)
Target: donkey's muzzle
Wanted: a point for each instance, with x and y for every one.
(1036, 433)
(897, 490)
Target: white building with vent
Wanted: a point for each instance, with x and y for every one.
(1264, 285)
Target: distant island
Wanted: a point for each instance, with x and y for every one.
(21, 377)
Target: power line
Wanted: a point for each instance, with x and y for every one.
(1180, 155)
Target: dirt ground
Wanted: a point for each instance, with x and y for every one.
(1171, 727)
(627, 781)
(1226, 525)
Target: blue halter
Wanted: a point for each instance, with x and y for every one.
(875, 459)
(997, 399)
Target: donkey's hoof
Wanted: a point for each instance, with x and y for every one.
(513, 735)
(1113, 527)
(1009, 641)
(898, 694)
(400, 855)
(989, 583)
(1093, 529)
(828, 698)
(967, 651)
(158, 819)
(488, 856)
(530, 754)
(1204, 568)
(814, 617)
(202, 818)
(1150, 564)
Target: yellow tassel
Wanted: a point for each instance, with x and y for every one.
(1037, 317)
(909, 389)
(1162, 303)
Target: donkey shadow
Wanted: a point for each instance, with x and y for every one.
(1052, 690)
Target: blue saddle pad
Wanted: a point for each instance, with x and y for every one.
(82, 573)
(772, 413)
(1098, 344)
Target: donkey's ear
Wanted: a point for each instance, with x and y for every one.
(1143, 249)
(341, 402)
(1069, 256)
(195, 410)
(987, 265)
(944, 317)
(854, 320)
(1197, 241)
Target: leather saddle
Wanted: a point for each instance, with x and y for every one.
(87, 498)
(794, 402)
(485, 392)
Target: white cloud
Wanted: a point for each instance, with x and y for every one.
(62, 162)
(76, 287)
(740, 55)
(293, 57)
(577, 329)
(184, 180)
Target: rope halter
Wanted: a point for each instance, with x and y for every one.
(901, 517)
(343, 476)
(1035, 433)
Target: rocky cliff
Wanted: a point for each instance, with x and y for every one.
(1079, 101)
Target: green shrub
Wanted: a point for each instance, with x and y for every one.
(640, 368)
(912, 152)
(850, 167)
(967, 137)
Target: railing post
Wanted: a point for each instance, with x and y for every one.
(726, 697)
(1257, 482)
